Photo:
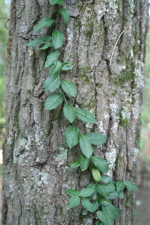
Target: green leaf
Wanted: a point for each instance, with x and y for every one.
(69, 88)
(120, 186)
(86, 203)
(111, 211)
(53, 100)
(55, 69)
(103, 201)
(57, 39)
(39, 41)
(121, 194)
(94, 206)
(74, 201)
(98, 223)
(109, 221)
(86, 192)
(96, 138)
(70, 112)
(100, 164)
(130, 186)
(52, 83)
(84, 162)
(72, 192)
(71, 136)
(66, 15)
(103, 190)
(85, 145)
(45, 22)
(113, 195)
(67, 66)
(96, 175)
(75, 164)
(54, 2)
(93, 186)
(47, 45)
(102, 216)
(106, 179)
(86, 116)
(52, 57)
(111, 187)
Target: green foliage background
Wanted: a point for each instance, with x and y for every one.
(4, 12)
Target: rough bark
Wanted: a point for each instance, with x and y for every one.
(36, 169)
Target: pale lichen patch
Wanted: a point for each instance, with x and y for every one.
(111, 158)
(125, 113)
(132, 5)
(136, 154)
(101, 128)
(62, 157)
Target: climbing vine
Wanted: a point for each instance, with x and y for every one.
(96, 196)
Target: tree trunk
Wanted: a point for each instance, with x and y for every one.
(36, 169)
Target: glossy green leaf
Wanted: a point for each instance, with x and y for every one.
(86, 192)
(97, 138)
(38, 41)
(86, 116)
(103, 201)
(55, 69)
(53, 100)
(72, 192)
(86, 203)
(69, 88)
(102, 216)
(130, 186)
(47, 45)
(52, 83)
(84, 162)
(67, 66)
(111, 211)
(113, 195)
(75, 164)
(121, 194)
(70, 112)
(45, 22)
(94, 187)
(94, 206)
(96, 175)
(66, 15)
(57, 39)
(109, 221)
(71, 136)
(100, 164)
(74, 201)
(111, 187)
(52, 57)
(85, 145)
(120, 186)
(103, 190)
(98, 223)
(54, 2)
(106, 179)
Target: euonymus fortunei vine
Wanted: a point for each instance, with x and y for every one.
(97, 195)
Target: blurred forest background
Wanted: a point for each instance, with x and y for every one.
(142, 216)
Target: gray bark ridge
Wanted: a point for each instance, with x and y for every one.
(36, 169)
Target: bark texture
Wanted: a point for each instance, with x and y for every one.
(36, 169)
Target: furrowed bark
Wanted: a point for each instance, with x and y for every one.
(36, 169)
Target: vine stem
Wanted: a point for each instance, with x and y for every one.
(63, 95)
(57, 18)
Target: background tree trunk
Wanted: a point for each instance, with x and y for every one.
(36, 169)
